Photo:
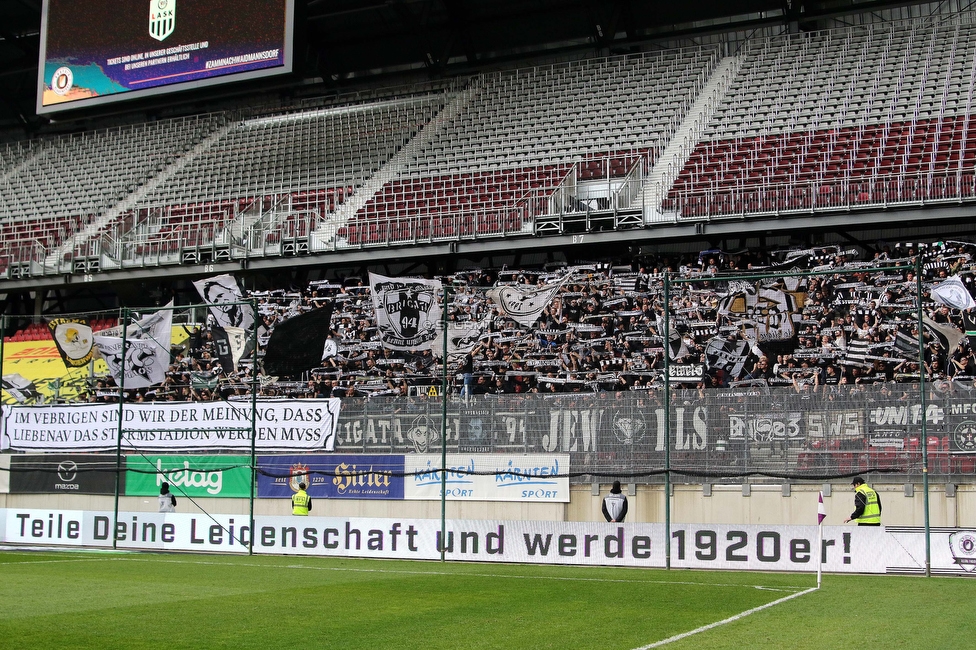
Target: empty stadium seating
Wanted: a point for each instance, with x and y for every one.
(865, 116)
(521, 135)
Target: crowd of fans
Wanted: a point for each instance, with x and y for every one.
(817, 318)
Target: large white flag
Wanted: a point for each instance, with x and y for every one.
(224, 297)
(147, 344)
(157, 327)
(145, 361)
(523, 303)
(407, 311)
(953, 293)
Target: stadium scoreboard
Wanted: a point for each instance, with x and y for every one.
(102, 51)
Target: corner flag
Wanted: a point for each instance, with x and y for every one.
(821, 515)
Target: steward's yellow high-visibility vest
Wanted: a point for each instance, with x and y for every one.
(872, 511)
(299, 503)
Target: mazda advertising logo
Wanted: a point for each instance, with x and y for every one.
(67, 470)
(78, 474)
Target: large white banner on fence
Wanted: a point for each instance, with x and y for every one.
(488, 477)
(845, 549)
(280, 425)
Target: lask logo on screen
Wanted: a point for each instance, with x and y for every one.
(162, 18)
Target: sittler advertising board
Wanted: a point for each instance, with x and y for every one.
(191, 476)
(63, 474)
(332, 477)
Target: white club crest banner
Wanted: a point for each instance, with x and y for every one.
(407, 311)
(953, 293)
(162, 18)
(523, 303)
(145, 362)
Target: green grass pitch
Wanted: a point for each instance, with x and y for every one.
(144, 600)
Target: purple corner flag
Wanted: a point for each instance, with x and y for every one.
(821, 513)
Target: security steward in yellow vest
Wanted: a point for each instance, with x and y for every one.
(301, 503)
(867, 504)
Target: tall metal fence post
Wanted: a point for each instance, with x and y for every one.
(124, 320)
(254, 432)
(444, 428)
(667, 420)
(921, 395)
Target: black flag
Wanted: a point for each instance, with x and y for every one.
(297, 344)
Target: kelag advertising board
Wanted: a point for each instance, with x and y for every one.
(99, 51)
(192, 476)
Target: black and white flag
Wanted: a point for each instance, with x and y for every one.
(224, 298)
(144, 363)
(407, 311)
(229, 343)
(462, 337)
(523, 303)
(676, 344)
(298, 344)
(73, 338)
(906, 345)
(21, 388)
(949, 337)
(726, 355)
(145, 359)
(953, 293)
(768, 313)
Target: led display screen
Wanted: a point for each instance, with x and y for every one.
(101, 51)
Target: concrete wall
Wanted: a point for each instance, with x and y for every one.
(765, 504)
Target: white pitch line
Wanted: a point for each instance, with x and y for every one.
(75, 559)
(703, 628)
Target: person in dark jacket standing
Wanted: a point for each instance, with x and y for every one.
(867, 504)
(615, 504)
(167, 501)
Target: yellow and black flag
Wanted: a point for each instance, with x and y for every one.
(73, 336)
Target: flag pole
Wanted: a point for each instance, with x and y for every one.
(819, 555)
(821, 515)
